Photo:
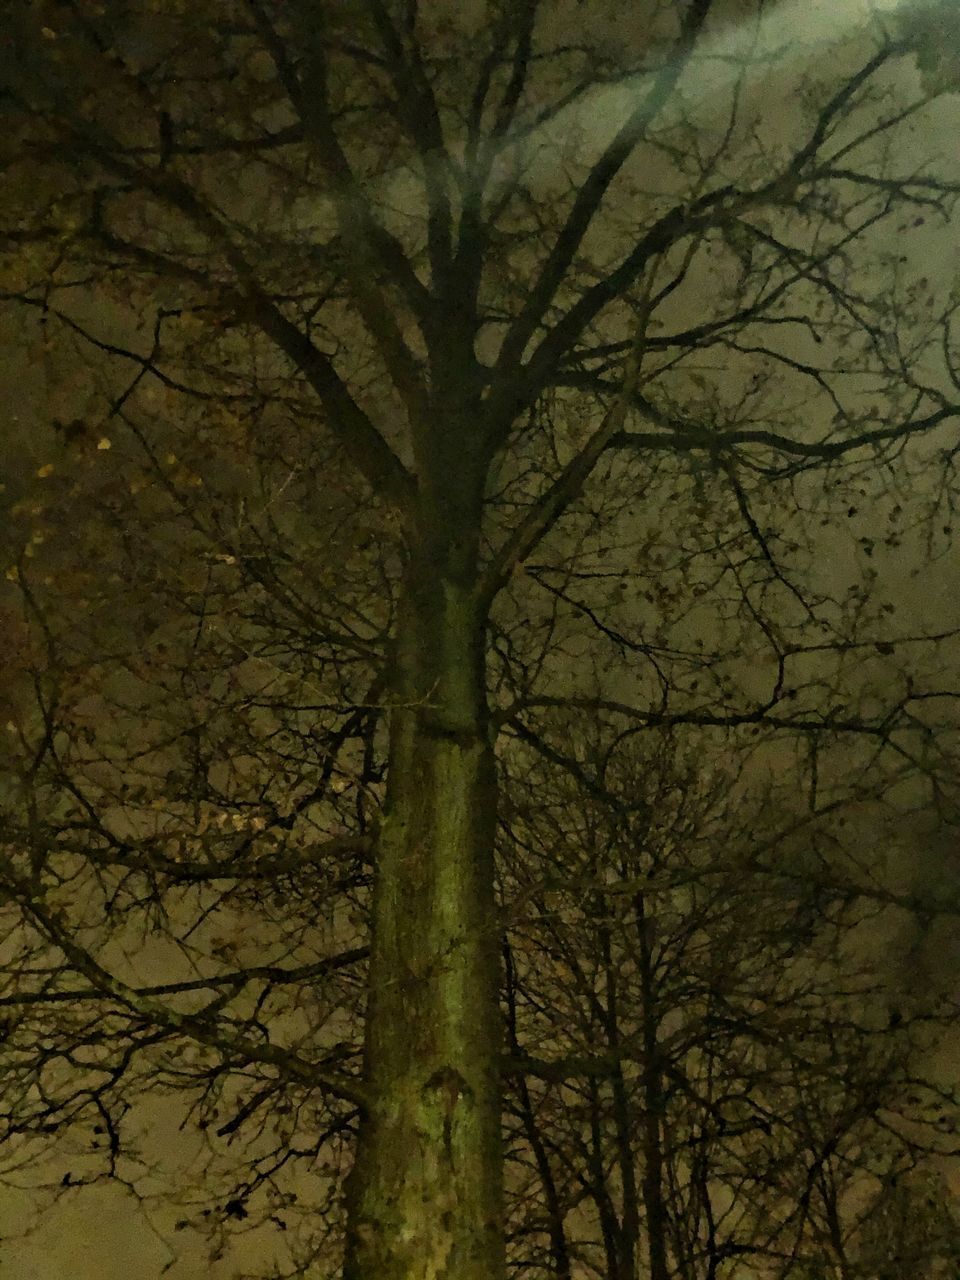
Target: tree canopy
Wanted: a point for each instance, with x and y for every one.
(414, 401)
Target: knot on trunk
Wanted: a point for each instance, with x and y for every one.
(442, 1092)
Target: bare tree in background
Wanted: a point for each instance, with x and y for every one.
(404, 392)
(728, 1082)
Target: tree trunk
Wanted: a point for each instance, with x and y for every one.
(629, 1200)
(556, 1228)
(425, 1199)
(653, 1104)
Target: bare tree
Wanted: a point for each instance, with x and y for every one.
(723, 1073)
(498, 371)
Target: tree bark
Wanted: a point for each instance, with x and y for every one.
(425, 1197)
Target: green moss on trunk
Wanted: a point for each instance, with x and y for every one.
(425, 1195)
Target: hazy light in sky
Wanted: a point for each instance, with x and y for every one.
(789, 34)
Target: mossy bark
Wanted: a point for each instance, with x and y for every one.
(425, 1194)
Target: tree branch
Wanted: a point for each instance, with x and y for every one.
(199, 1027)
(591, 194)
